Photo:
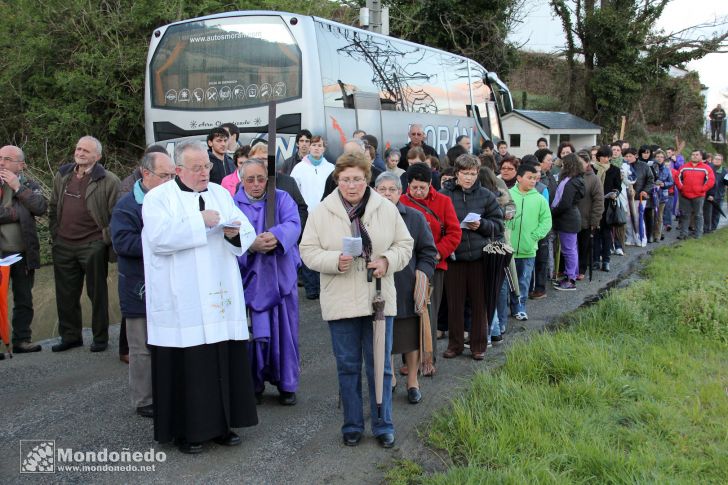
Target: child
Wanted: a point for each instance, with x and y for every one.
(531, 223)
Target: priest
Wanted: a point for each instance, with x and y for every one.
(196, 323)
(269, 272)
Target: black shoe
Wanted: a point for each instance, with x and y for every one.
(146, 411)
(386, 440)
(189, 448)
(99, 346)
(259, 398)
(312, 297)
(26, 348)
(63, 346)
(352, 439)
(414, 395)
(496, 339)
(605, 267)
(287, 398)
(230, 439)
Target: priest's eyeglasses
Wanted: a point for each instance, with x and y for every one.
(260, 179)
(199, 168)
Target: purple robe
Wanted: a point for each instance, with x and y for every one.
(270, 283)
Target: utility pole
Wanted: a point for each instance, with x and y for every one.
(377, 17)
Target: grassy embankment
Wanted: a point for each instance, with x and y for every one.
(635, 390)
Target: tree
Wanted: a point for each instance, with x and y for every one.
(622, 52)
(475, 29)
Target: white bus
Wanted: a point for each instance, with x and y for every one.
(329, 78)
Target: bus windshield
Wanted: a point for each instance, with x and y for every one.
(226, 63)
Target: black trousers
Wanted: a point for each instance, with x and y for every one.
(71, 265)
(21, 279)
(540, 275)
(602, 243)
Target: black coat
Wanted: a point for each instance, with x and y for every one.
(644, 180)
(566, 216)
(220, 168)
(423, 259)
(482, 201)
(403, 163)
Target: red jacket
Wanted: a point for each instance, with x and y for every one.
(442, 207)
(695, 179)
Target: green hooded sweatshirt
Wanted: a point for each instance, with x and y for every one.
(531, 223)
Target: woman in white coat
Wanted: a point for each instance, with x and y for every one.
(355, 210)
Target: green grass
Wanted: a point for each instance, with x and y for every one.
(635, 390)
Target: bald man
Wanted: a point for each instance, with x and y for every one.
(21, 202)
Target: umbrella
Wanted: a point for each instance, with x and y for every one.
(422, 301)
(642, 231)
(557, 255)
(497, 255)
(716, 206)
(4, 320)
(379, 332)
(590, 255)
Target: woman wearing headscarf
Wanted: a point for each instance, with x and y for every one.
(421, 267)
(355, 210)
(482, 220)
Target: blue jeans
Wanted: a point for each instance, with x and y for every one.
(350, 338)
(499, 325)
(524, 268)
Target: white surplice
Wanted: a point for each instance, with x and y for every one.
(194, 292)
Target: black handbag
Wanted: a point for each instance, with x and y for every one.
(615, 216)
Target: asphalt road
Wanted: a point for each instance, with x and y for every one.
(79, 399)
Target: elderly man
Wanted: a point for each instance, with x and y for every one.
(20, 203)
(268, 271)
(83, 196)
(417, 139)
(196, 320)
(126, 236)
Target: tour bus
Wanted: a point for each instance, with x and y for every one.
(329, 78)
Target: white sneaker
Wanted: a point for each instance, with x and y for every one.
(521, 316)
(619, 252)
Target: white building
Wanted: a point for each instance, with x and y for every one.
(522, 128)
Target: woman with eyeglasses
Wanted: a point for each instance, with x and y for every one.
(355, 210)
(232, 181)
(482, 221)
(269, 272)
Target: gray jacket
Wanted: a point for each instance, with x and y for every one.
(423, 259)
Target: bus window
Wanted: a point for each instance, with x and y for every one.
(421, 80)
(488, 119)
(225, 63)
(350, 63)
(456, 74)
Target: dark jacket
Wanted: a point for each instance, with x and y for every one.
(288, 165)
(101, 196)
(644, 180)
(220, 168)
(126, 236)
(128, 183)
(287, 184)
(566, 216)
(403, 163)
(423, 259)
(28, 203)
(550, 181)
(591, 206)
(481, 201)
(435, 181)
(718, 190)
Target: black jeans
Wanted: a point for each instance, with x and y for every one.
(22, 280)
(602, 243)
(71, 264)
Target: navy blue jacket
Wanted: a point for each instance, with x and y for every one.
(126, 237)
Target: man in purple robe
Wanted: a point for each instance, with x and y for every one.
(269, 272)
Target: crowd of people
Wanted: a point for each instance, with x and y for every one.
(211, 251)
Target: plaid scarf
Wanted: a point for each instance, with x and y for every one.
(355, 213)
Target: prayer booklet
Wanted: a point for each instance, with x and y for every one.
(471, 217)
(351, 246)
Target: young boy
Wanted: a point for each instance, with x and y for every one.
(531, 223)
(222, 163)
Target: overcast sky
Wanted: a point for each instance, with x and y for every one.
(540, 31)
